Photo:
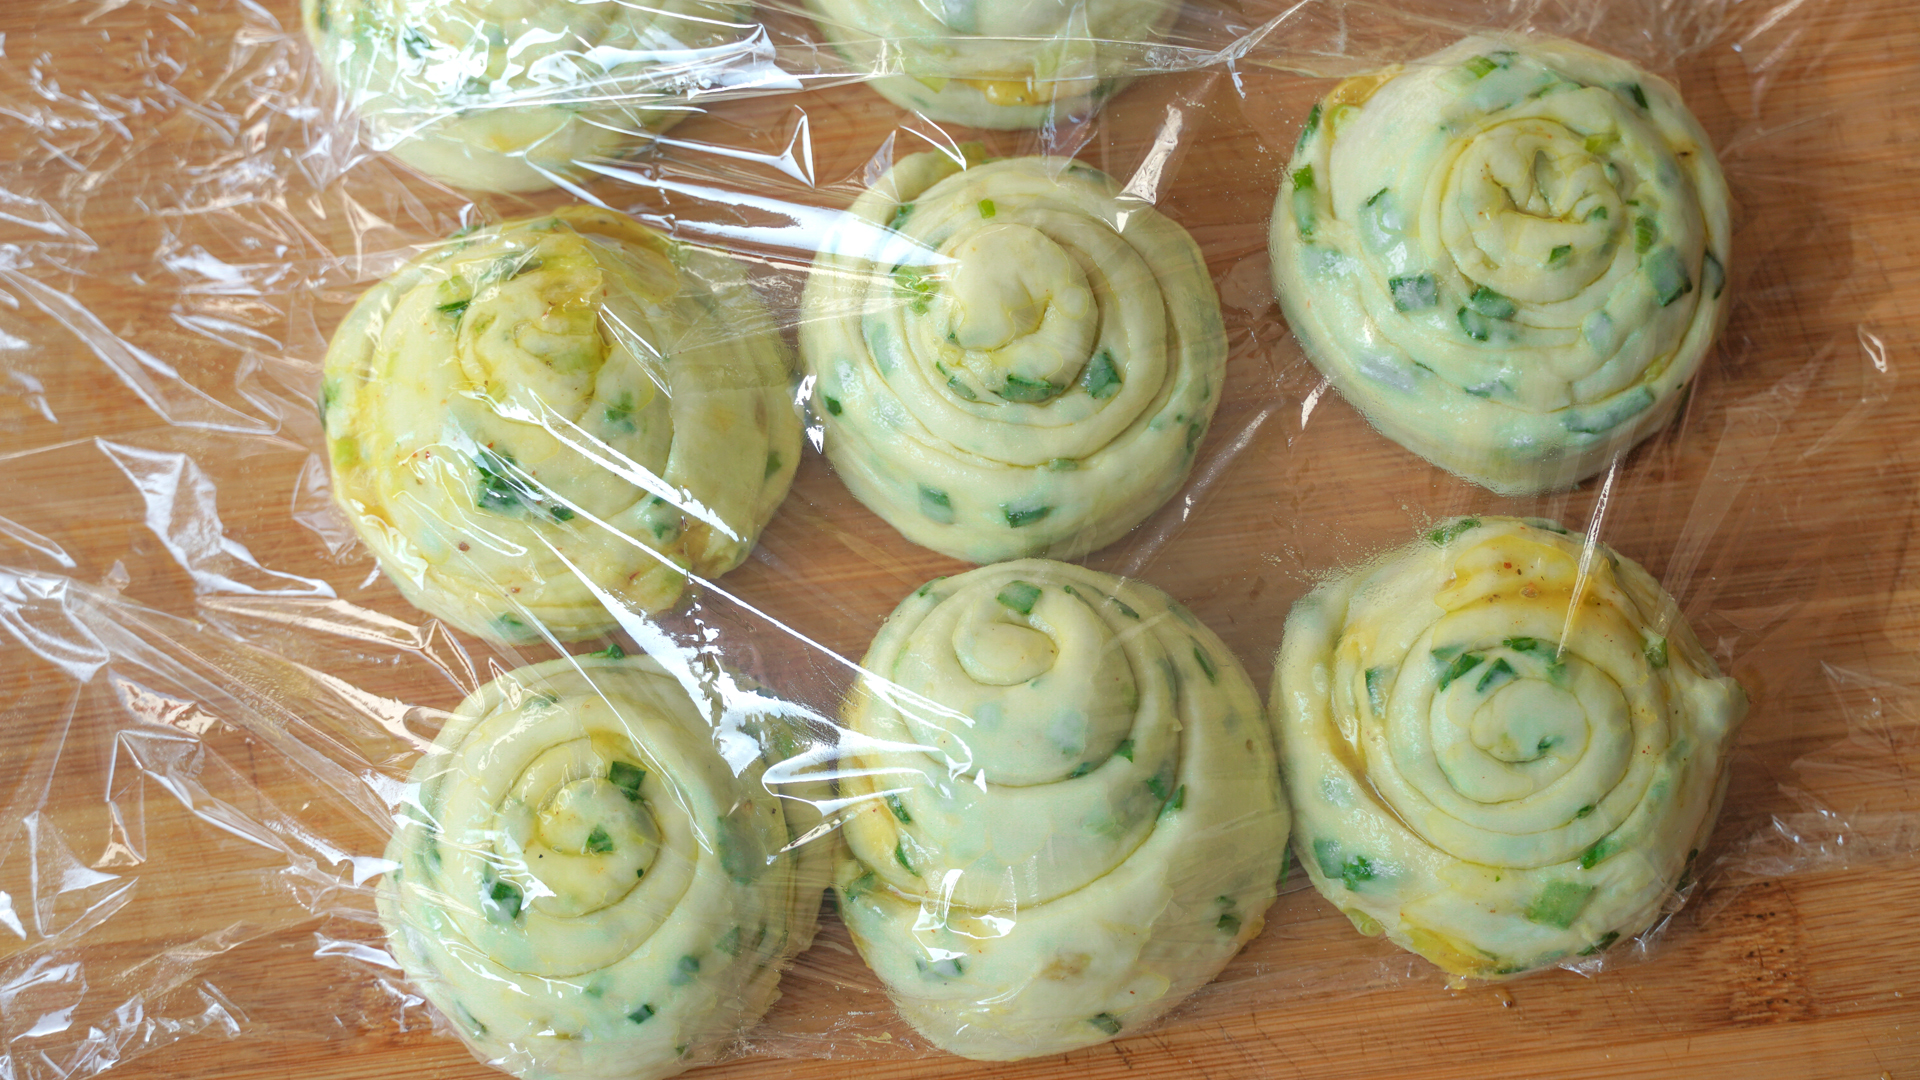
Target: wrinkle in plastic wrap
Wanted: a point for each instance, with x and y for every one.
(213, 698)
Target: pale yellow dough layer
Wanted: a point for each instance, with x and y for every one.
(584, 886)
(1503, 750)
(517, 95)
(546, 421)
(1510, 255)
(1000, 64)
(1065, 811)
(1010, 358)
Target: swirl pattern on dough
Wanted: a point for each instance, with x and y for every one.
(585, 886)
(511, 95)
(1502, 749)
(555, 413)
(1065, 808)
(1001, 64)
(1510, 255)
(1010, 360)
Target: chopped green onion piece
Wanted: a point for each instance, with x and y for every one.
(611, 652)
(1602, 849)
(1645, 232)
(1178, 801)
(1475, 324)
(1228, 923)
(1020, 596)
(1206, 664)
(936, 505)
(1559, 904)
(949, 968)
(1125, 749)
(1668, 276)
(627, 778)
(1492, 304)
(1350, 871)
(1303, 178)
(1026, 391)
(899, 809)
(642, 1014)
(1377, 689)
(1481, 66)
(1019, 517)
(1498, 673)
(598, 842)
(1306, 130)
(1447, 534)
(832, 404)
(1102, 378)
(1462, 664)
(773, 464)
(1106, 1022)
(1559, 255)
(499, 490)
(1715, 275)
(1414, 293)
(1656, 650)
(507, 897)
(987, 208)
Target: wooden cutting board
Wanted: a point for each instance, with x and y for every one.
(155, 301)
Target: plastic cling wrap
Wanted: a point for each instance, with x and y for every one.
(222, 705)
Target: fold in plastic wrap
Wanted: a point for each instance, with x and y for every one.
(218, 706)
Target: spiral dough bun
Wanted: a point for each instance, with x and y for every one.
(542, 421)
(1001, 64)
(584, 886)
(517, 95)
(1502, 749)
(1510, 255)
(1066, 812)
(1010, 360)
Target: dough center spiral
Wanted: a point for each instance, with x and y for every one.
(1529, 212)
(1506, 745)
(998, 656)
(1020, 308)
(530, 337)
